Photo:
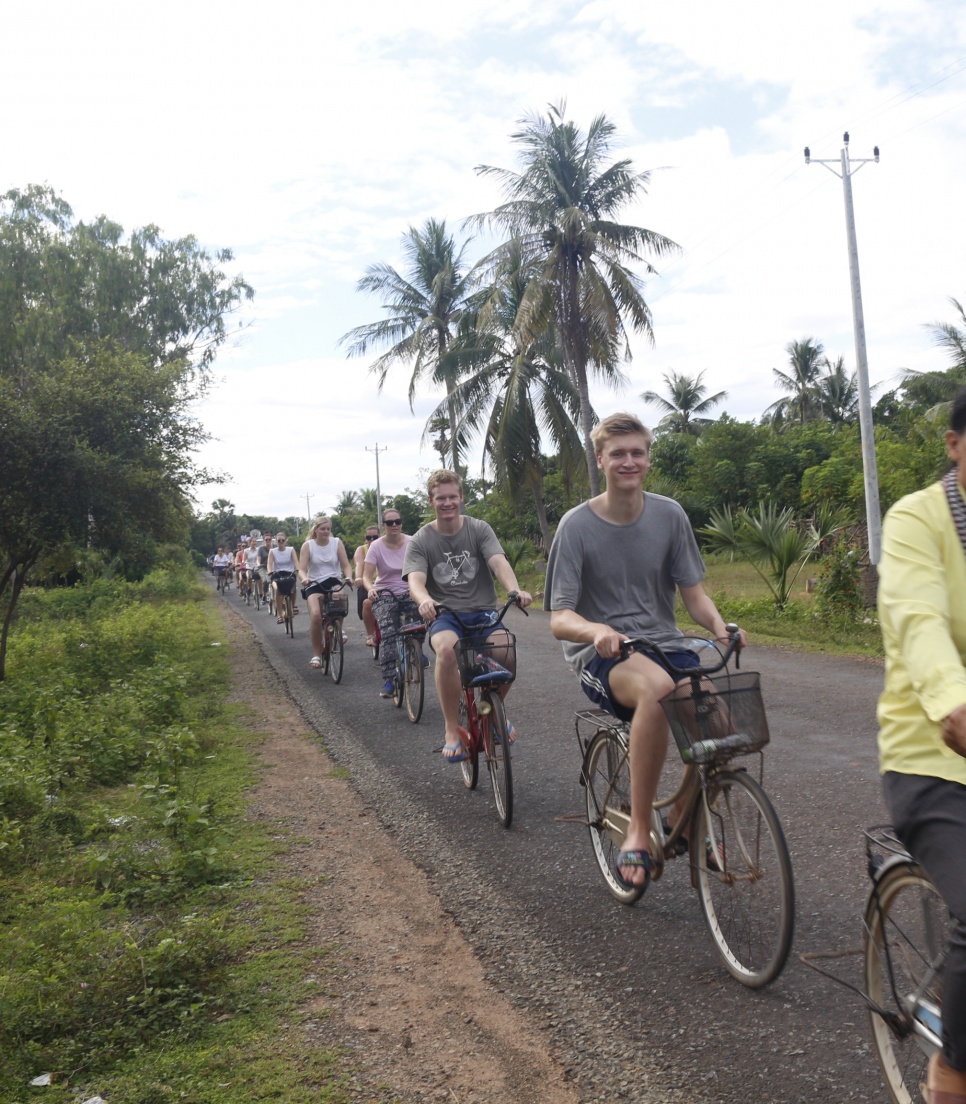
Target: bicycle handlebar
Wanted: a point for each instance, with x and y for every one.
(513, 599)
(733, 649)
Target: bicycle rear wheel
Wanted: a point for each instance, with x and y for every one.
(470, 766)
(607, 782)
(415, 683)
(744, 877)
(258, 599)
(906, 929)
(337, 654)
(496, 743)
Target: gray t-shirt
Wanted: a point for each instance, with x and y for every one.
(624, 576)
(455, 567)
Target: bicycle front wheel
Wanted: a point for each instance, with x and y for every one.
(258, 600)
(607, 782)
(496, 744)
(337, 654)
(744, 877)
(905, 935)
(289, 615)
(470, 766)
(415, 683)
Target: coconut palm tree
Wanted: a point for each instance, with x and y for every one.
(805, 358)
(517, 397)
(563, 206)
(423, 305)
(686, 406)
(837, 393)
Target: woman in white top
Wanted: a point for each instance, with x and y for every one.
(282, 559)
(322, 564)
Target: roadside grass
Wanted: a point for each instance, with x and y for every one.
(151, 949)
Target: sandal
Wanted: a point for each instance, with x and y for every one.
(279, 620)
(458, 756)
(316, 662)
(633, 859)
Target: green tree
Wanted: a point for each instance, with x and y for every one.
(687, 404)
(563, 206)
(516, 395)
(424, 305)
(801, 404)
(104, 343)
(837, 393)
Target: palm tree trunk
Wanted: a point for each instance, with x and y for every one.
(575, 352)
(536, 489)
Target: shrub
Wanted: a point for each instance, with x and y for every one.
(839, 594)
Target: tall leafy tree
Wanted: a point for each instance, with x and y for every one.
(687, 405)
(563, 207)
(800, 403)
(518, 396)
(423, 306)
(105, 340)
(837, 393)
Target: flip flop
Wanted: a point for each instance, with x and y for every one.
(633, 858)
(458, 758)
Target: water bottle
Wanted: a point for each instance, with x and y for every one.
(703, 751)
(488, 670)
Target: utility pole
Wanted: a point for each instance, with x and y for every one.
(377, 450)
(308, 509)
(873, 516)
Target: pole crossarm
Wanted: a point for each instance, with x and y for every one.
(873, 516)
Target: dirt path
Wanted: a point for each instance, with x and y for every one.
(408, 998)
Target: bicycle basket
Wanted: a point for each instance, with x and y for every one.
(335, 604)
(726, 718)
(487, 662)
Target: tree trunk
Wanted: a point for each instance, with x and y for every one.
(18, 581)
(536, 489)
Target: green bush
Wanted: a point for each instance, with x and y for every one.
(839, 595)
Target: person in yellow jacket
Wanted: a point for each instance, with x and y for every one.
(922, 715)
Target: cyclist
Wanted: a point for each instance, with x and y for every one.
(261, 571)
(922, 715)
(614, 566)
(221, 563)
(241, 569)
(447, 562)
(363, 602)
(384, 561)
(251, 566)
(322, 564)
(282, 570)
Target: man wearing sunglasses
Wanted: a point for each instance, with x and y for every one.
(383, 571)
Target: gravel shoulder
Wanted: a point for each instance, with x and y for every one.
(407, 1000)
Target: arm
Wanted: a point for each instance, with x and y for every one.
(567, 624)
(271, 561)
(705, 613)
(303, 563)
(420, 595)
(358, 562)
(344, 562)
(500, 566)
(369, 578)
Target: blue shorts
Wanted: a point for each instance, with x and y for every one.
(480, 622)
(595, 678)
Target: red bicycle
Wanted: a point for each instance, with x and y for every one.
(487, 660)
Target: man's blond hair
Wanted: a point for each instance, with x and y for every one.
(442, 475)
(618, 425)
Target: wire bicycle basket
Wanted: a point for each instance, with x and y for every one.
(723, 717)
(490, 660)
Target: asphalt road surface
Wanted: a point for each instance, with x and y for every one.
(637, 988)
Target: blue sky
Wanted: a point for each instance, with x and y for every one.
(308, 137)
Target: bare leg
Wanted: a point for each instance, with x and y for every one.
(639, 684)
(315, 623)
(448, 684)
(369, 619)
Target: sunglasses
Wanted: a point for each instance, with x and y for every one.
(393, 521)
(371, 536)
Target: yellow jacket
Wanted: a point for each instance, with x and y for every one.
(922, 610)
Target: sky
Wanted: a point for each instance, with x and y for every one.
(308, 137)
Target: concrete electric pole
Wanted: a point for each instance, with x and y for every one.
(873, 516)
(377, 450)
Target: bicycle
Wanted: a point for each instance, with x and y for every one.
(334, 608)
(245, 586)
(487, 663)
(905, 932)
(408, 682)
(740, 865)
(286, 600)
(256, 585)
(221, 580)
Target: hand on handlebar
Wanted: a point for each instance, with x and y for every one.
(427, 610)
(608, 642)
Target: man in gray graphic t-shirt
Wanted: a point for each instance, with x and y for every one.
(452, 561)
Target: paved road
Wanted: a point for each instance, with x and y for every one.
(641, 982)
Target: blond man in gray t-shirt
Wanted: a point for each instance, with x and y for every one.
(452, 561)
(614, 567)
